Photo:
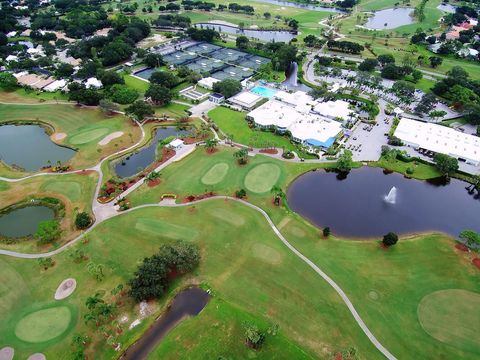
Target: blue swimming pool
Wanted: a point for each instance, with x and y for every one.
(263, 91)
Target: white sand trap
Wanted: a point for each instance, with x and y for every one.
(6, 353)
(65, 289)
(110, 137)
(58, 136)
(37, 356)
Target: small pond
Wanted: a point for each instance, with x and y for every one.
(262, 35)
(145, 73)
(301, 6)
(30, 147)
(187, 303)
(356, 206)
(390, 19)
(135, 163)
(24, 221)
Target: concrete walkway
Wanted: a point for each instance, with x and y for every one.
(277, 232)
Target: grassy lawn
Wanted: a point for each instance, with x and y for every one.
(75, 191)
(135, 83)
(84, 127)
(233, 123)
(219, 172)
(22, 95)
(420, 171)
(172, 110)
(254, 278)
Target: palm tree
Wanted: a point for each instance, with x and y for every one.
(241, 155)
(278, 194)
(211, 144)
(92, 301)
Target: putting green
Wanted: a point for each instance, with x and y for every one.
(262, 178)
(267, 254)
(215, 174)
(43, 325)
(160, 227)
(452, 317)
(71, 189)
(88, 135)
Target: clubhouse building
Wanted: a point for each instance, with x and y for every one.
(439, 139)
(310, 122)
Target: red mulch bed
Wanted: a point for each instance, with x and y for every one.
(212, 151)
(269, 151)
(461, 247)
(339, 356)
(153, 183)
(192, 198)
(476, 262)
(192, 140)
(384, 247)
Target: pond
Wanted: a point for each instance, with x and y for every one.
(301, 6)
(29, 147)
(390, 19)
(187, 303)
(262, 35)
(356, 206)
(24, 221)
(134, 163)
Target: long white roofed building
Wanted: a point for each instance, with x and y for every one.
(439, 139)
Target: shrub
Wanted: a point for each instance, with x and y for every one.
(83, 220)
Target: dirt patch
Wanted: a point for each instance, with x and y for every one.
(212, 151)
(476, 263)
(461, 247)
(58, 136)
(65, 289)
(153, 183)
(269, 151)
(110, 137)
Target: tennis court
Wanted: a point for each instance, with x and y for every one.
(179, 57)
(205, 65)
(202, 48)
(233, 72)
(228, 55)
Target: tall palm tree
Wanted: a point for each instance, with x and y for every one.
(211, 144)
(278, 194)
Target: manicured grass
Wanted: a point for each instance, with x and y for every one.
(172, 110)
(135, 83)
(420, 171)
(233, 123)
(84, 127)
(21, 95)
(75, 191)
(246, 284)
(188, 176)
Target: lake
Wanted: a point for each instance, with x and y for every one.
(189, 302)
(134, 163)
(262, 35)
(393, 18)
(24, 221)
(355, 207)
(29, 147)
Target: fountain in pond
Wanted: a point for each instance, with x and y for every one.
(391, 198)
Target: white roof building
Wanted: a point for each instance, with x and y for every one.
(11, 58)
(208, 82)
(93, 82)
(56, 85)
(176, 144)
(11, 34)
(246, 99)
(333, 109)
(439, 139)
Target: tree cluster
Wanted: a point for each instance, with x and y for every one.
(345, 46)
(153, 276)
(227, 87)
(172, 20)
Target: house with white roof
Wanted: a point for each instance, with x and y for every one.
(439, 139)
(93, 82)
(334, 109)
(246, 100)
(56, 85)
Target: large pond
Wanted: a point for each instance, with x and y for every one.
(301, 6)
(356, 206)
(29, 147)
(390, 19)
(24, 221)
(135, 163)
(262, 35)
(188, 303)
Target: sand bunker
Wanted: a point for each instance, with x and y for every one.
(58, 136)
(65, 289)
(37, 356)
(110, 137)
(6, 353)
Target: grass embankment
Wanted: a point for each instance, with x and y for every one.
(75, 191)
(421, 171)
(220, 173)
(84, 127)
(24, 96)
(253, 276)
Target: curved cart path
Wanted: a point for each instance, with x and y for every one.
(310, 263)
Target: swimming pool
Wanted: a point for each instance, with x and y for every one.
(263, 91)
(145, 73)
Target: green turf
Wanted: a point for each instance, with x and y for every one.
(88, 135)
(43, 325)
(72, 189)
(452, 317)
(4, 186)
(153, 226)
(262, 178)
(215, 174)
